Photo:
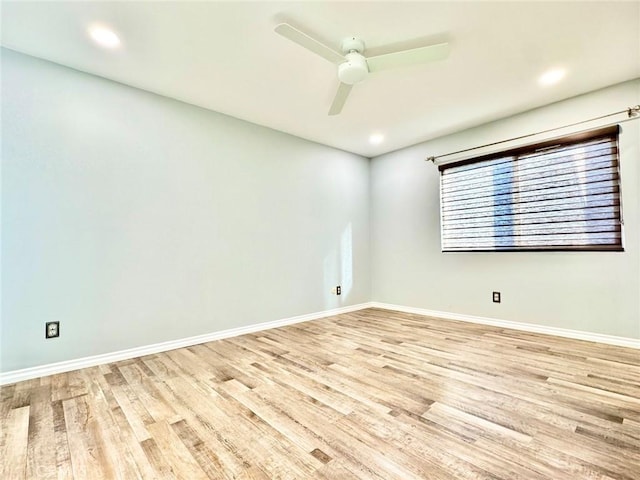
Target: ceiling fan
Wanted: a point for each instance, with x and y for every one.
(353, 66)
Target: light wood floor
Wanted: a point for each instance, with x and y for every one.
(369, 395)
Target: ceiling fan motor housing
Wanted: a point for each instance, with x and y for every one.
(354, 69)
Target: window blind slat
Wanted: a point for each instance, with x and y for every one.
(533, 240)
(535, 163)
(576, 226)
(605, 200)
(570, 192)
(525, 182)
(507, 156)
(563, 196)
(576, 214)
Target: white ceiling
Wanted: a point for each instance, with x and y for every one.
(225, 56)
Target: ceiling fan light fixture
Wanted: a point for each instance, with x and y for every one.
(354, 70)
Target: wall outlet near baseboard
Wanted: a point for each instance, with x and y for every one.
(51, 329)
(496, 297)
(337, 290)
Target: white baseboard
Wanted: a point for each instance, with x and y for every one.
(527, 327)
(69, 365)
(75, 364)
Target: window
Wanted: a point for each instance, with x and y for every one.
(562, 194)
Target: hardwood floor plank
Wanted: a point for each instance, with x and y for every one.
(41, 455)
(6, 402)
(175, 453)
(63, 455)
(16, 435)
(89, 458)
(200, 451)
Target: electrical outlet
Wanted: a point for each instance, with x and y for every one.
(496, 297)
(51, 329)
(338, 290)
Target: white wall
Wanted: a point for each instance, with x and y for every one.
(135, 219)
(590, 291)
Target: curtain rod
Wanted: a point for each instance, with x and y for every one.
(632, 112)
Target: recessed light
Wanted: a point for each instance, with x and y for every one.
(552, 77)
(376, 138)
(104, 36)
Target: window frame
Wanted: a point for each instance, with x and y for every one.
(603, 132)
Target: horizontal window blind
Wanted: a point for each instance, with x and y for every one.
(562, 194)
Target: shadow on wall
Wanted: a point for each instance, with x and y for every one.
(338, 270)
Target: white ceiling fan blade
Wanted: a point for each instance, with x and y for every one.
(309, 43)
(340, 98)
(405, 58)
